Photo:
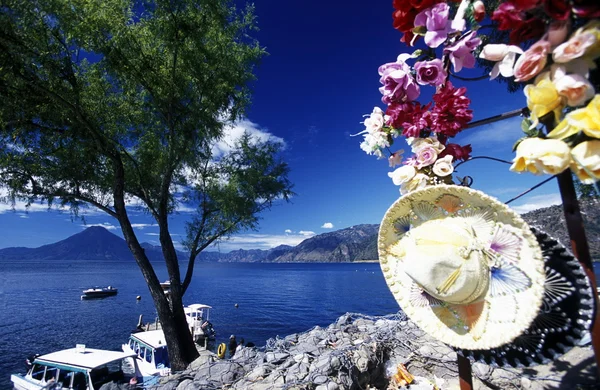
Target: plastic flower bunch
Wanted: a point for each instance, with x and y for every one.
(427, 128)
(556, 68)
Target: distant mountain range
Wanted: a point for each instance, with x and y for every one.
(346, 245)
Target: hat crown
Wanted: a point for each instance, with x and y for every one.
(448, 260)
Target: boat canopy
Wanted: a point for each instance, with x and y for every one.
(153, 339)
(81, 359)
(196, 306)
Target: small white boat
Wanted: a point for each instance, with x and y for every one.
(99, 292)
(79, 368)
(197, 316)
(150, 349)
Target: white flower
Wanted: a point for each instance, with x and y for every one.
(503, 55)
(443, 166)
(417, 144)
(418, 181)
(375, 121)
(373, 143)
(402, 174)
(575, 88)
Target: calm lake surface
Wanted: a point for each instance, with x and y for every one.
(41, 310)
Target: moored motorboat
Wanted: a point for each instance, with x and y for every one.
(197, 316)
(150, 348)
(99, 292)
(79, 368)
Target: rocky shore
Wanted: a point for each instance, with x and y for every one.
(363, 352)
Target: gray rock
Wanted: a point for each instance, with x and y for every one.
(276, 357)
(187, 384)
(259, 372)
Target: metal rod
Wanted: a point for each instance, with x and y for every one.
(529, 190)
(497, 118)
(580, 247)
(465, 377)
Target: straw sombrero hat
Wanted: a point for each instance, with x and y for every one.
(563, 320)
(462, 265)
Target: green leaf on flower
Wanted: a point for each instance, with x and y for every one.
(525, 125)
(516, 145)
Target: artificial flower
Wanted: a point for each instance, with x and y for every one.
(574, 48)
(430, 72)
(558, 31)
(504, 56)
(586, 9)
(461, 52)
(426, 156)
(398, 83)
(532, 61)
(403, 174)
(421, 120)
(443, 166)
(396, 158)
(418, 181)
(416, 144)
(373, 143)
(375, 121)
(524, 5)
(404, 16)
(400, 113)
(459, 23)
(585, 119)
(507, 16)
(531, 29)
(538, 156)
(557, 9)
(586, 161)
(575, 88)
(478, 11)
(435, 20)
(592, 52)
(458, 152)
(543, 98)
(451, 112)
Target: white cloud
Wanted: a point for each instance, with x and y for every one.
(23, 216)
(233, 132)
(307, 233)
(288, 231)
(538, 202)
(506, 190)
(487, 136)
(105, 225)
(327, 225)
(152, 234)
(141, 226)
(261, 241)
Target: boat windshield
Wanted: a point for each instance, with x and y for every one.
(161, 358)
(63, 376)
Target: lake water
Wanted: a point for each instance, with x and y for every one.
(41, 310)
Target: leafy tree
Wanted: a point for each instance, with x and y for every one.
(107, 102)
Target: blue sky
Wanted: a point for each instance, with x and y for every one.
(313, 88)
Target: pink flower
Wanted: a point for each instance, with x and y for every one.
(396, 158)
(574, 47)
(451, 112)
(461, 52)
(435, 19)
(430, 72)
(420, 120)
(532, 61)
(398, 84)
(426, 156)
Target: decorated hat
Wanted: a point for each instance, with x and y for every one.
(462, 265)
(563, 320)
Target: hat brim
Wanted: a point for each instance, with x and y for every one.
(564, 319)
(501, 314)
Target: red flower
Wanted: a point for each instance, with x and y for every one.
(458, 152)
(451, 112)
(531, 29)
(524, 5)
(405, 13)
(557, 9)
(401, 113)
(507, 16)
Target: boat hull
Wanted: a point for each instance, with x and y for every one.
(21, 383)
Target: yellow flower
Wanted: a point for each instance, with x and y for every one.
(539, 156)
(543, 98)
(586, 161)
(584, 119)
